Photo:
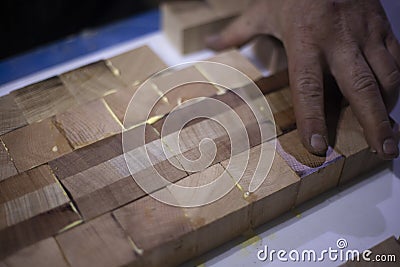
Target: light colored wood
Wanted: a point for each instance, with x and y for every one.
(160, 231)
(28, 194)
(119, 101)
(232, 7)
(91, 82)
(351, 143)
(88, 123)
(187, 23)
(7, 167)
(35, 144)
(277, 193)
(234, 59)
(281, 106)
(100, 242)
(135, 66)
(317, 173)
(45, 253)
(11, 116)
(44, 99)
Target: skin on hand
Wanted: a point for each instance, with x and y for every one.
(349, 39)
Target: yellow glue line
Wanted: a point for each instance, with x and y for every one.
(112, 114)
(138, 250)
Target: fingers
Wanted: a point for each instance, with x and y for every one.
(361, 89)
(386, 71)
(393, 47)
(306, 80)
(236, 34)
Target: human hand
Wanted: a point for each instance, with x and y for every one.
(350, 39)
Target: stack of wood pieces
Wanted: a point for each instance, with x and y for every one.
(67, 197)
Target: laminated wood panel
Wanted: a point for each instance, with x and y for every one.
(11, 116)
(35, 144)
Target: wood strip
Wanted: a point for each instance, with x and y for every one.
(45, 253)
(87, 124)
(100, 242)
(317, 173)
(160, 231)
(130, 68)
(35, 144)
(281, 106)
(7, 167)
(29, 194)
(98, 152)
(351, 143)
(11, 116)
(37, 228)
(119, 101)
(91, 82)
(44, 99)
(277, 193)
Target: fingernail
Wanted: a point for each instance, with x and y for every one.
(390, 147)
(318, 142)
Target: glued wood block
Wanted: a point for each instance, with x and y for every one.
(278, 191)
(161, 232)
(99, 152)
(91, 82)
(28, 194)
(234, 59)
(44, 99)
(135, 66)
(221, 220)
(45, 253)
(187, 23)
(351, 143)
(281, 106)
(390, 246)
(11, 116)
(35, 144)
(317, 173)
(119, 101)
(100, 242)
(88, 123)
(7, 167)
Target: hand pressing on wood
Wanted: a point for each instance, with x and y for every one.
(349, 39)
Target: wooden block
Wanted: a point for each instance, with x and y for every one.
(234, 59)
(281, 106)
(278, 191)
(135, 66)
(45, 253)
(388, 251)
(233, 7)
(28, 194)
(11, 116)
(88, 123)
(44, 99)
(35, 144)
(100, 242)
(317, 173)
(161, 232)
(119, 101)
(221, 220)
(187, 23)
(7, 167)
(91, 82)
(101, 151)
(351, 143)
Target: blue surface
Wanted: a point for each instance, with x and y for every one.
(77, 46)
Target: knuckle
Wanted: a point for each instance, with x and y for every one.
(309, 85)
(363, 82)
(392, 80)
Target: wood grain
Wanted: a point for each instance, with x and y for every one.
(7, 167)
(87, 124)
(91, 82)
(351, 143)
(35, 144)
(119, 101)
(44, 99)
(187, 23)
(317, 173)
(130, 68)
(11, 116)
(278, 191)
(45, 253)
(281, 106)
(100, 242)
(159, 230)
